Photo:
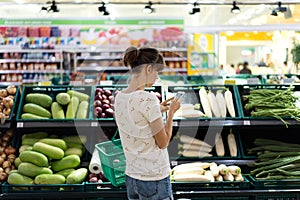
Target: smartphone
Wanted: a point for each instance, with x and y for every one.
(179, 95)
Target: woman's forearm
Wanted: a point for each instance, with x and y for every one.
(169, 125)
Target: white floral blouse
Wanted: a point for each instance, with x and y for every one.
(133, 113)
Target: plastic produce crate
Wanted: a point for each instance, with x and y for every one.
(113, 161)
(14, 107)
(191, 96)
(274, 184)
(52, 91)
(32, 188)
(245, 90)
(223, 185)
(205, 134)
(90, 187)
(287, 196)
(109, 93)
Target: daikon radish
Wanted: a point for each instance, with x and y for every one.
(219, 178)
(209, 175)
(229, 103)
(194, 141)
(239, 177)
(228, 177)
(223, 169)
(213, 104)
(205, 102)
(232, 144)
(189, 170)
(191, 114)
(187, 146)
(214, 169)
(219, 146)
(234, 170)
(194, 153)
(189, 178)
(221, 103)
(203, 165)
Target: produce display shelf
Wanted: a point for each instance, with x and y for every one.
(246, 79)
(46, 188)
(89, 187)
(205, 79)
(6, 123)
(207, 122)
(274, 184)
(197, 186)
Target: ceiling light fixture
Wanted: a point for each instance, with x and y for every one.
(102, 9)
(235, 9)
(51, 8)
(148, 8)
(278, 9)
(195, 9)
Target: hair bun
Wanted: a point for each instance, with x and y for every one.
(130, 56)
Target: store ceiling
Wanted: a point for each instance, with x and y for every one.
(213, 12)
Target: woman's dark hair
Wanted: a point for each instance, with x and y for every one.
(135, 57)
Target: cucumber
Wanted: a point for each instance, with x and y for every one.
(82, 111)
(13, 171)
(77, 176)
(43, 100)
(17, 162)
(60, 143)
(32, 116)
(32, 170)
(72, 108)
(39, 135)
(67, 162)
(63, 98)
(73, 151)
(76, 145)
(81, 96)
(66, 172)
(57, 111)
(24, 147)
(49, 150)
(29, 141)
(34, 157)
(36, 110)
(17, 178)
(49, 179)
(76, 139)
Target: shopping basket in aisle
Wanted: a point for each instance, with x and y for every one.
(112, 160)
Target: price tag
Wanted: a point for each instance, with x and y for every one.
(252, 81)
(174, 162)
(175, 123)
(20, 125)
(106, 83)
(94, 124)
(247, 123)
(229, 82)
(288, 81)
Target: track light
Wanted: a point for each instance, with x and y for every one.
(148, 8)
(278, 9)
(235, 9)
(51, 8)
(102, 9)
(195, 9)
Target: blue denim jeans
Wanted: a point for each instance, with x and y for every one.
(149, 190)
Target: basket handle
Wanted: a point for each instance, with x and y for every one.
(113, 139)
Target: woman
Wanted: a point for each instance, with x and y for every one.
(143, 134)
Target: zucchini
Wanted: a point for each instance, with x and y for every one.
(43, 100)
(49, 179)
(72, 108)
(82, 111)
(67, 162)
(17, 178)
(38, 135)
(81, 96)
(32, 170)
(32, 116)
(49, 150)
(76, 139)
(77, 176)
(60, 143)
(74, 151)
(66, 172)
(29, 141)
(34, 157)
(17, 162)
(36, 110)
(57, 111)
(63, 98)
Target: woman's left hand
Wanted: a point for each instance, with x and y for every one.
(164, 106)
